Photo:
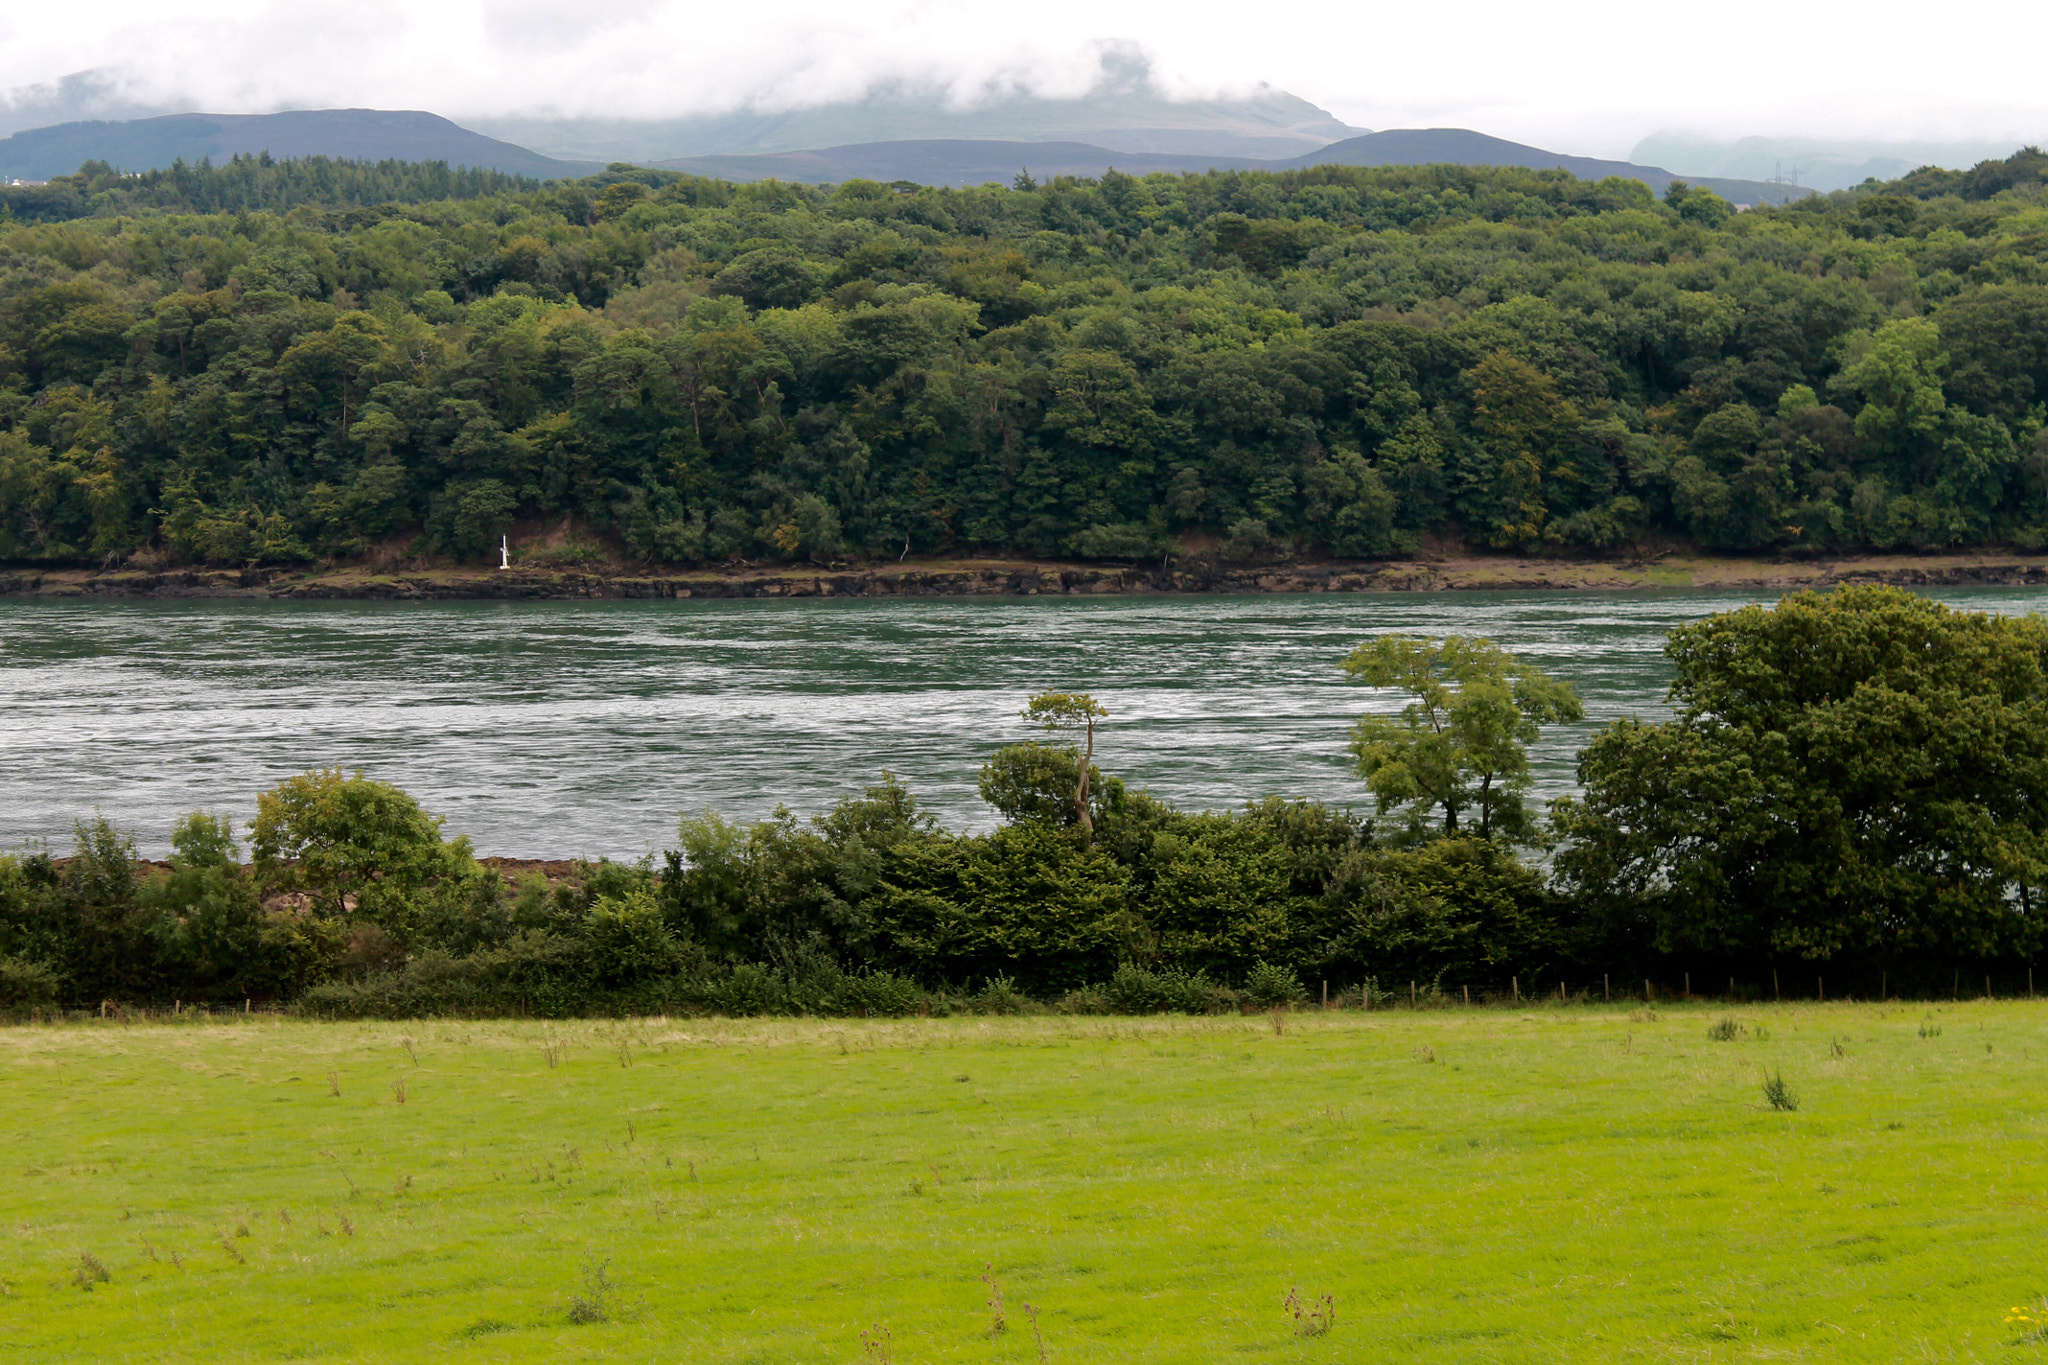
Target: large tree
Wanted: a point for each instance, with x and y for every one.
(1862, 772)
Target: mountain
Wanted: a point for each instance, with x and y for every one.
(965, 161)
(946, 161)
(1124, 115)
(360, 134)
(1818, 163)
(1463, 147)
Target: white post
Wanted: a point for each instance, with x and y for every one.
(504, 552)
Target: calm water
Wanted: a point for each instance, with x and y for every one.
(578, 729)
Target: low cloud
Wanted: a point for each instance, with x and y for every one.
(1591, 76)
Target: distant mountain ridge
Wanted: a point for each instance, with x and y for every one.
(413, 135)
(958, 161)
(1124, 113)
(355, 134)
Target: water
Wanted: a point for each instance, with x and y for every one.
(584, 729)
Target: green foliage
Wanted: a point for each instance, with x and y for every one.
(26, 986)
(1461, 744)
(1860, 773)
(1037, 782)
(273, 361)
(1269, 985)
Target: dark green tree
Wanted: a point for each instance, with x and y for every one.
(1862, 772)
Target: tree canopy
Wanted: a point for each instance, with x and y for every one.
(1861, 774)
(275, 361)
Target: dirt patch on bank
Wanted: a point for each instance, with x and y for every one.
(1017, 578)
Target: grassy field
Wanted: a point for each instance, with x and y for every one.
(1564, 1183)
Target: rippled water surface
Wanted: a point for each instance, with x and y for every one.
(580, 729)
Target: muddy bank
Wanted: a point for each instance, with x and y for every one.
(1009, 578)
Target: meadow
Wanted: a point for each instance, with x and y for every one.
(1563, 1182)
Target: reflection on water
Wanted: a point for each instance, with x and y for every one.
(580, 729)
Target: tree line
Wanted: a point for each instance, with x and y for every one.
(278, 362)
(1853, 790)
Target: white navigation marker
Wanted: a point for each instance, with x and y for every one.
(504, 552)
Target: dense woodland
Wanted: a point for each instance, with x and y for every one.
(284, 361)
(1851, 799)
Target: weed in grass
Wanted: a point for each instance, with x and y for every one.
(599, 1297)
(1929, 1029)
(1835, 1048)
(875, 1344)
(234, 1252)
(406, 1043)
(484, 1327)
(1725, 1031)
(1036, 1335)
(334, 1084)
(241, 1227)
(1312, 1317)
(553, 1052)
(625, 1052)
(150, 1252)
(398, 1090)
(1279, 1022)
(1425, 1053)
(2034, 1321)
(997, 1324)
(1779, 1095)
(90, 1271)
(348, 1229)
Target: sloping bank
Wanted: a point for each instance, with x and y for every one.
(1009, 578)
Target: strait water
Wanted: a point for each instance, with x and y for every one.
(584, 729)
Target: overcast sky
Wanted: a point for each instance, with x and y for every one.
(1589, 76)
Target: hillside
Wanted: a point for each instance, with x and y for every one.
(357, 134)
(965, 161)
(1346, 360)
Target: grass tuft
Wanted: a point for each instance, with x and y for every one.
(599, 1299)
(1312, 1317)
(1779, 1095)
(90, 1271)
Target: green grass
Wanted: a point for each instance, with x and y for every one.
(1557, 1183)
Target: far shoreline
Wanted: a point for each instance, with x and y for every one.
(996, 577)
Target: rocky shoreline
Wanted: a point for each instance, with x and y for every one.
(968, 578)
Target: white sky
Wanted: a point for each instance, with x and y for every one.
(1586, 76)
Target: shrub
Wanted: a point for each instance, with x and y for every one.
(1134, 990)
(1779, 1095)
(748, 990)
(882, 994)
(628, 941)
(1724, 1031)
(1269, 986)
(26, 986)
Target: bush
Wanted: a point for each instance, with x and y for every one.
(27, 986)
(1134, 990)
(882, 994)
(1269, 986)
